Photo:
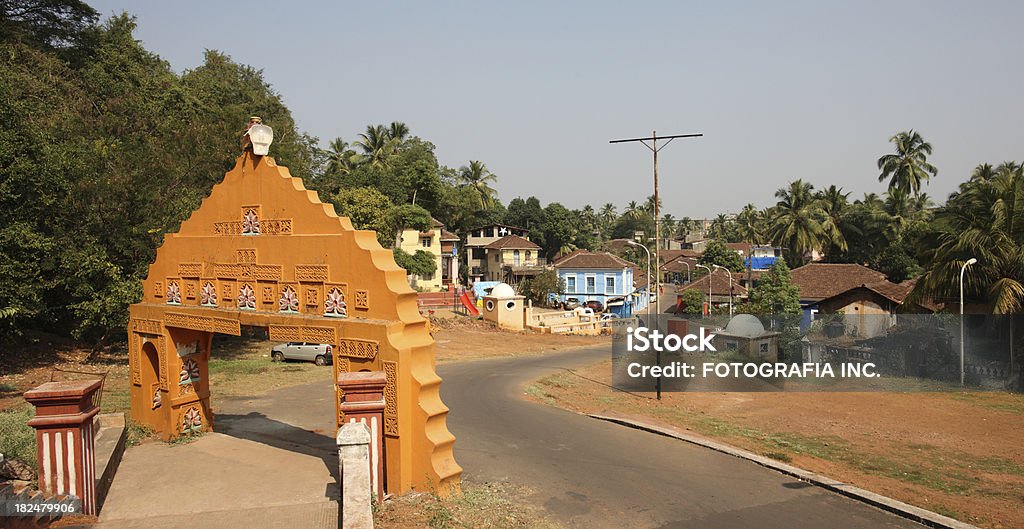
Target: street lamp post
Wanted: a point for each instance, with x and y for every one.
(727, 271)
(962, 270)
(687, 265)
(709, 286)
(657, 350)
(634, 243)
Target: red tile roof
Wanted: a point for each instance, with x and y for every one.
(818, 281)
(585, 259)
(512, 242)
(719, 285)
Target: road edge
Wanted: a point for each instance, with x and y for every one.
(899, 508)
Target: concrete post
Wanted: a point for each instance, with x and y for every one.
(362, 401)
(354, 460)
(64, 439)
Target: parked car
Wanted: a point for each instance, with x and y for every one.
(570, 303)
(595, 305)
(318, 353)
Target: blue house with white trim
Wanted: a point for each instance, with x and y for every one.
(603, 277)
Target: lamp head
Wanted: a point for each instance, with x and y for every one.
(632, 243)
(970, 261)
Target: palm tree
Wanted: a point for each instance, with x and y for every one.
(634, 210)
(984, 221)
(589, 219)
(908, 166)
(684, 227)
(608, 214)
(377, 146)
(801, 224)
(748, 224)
(477, 176)
(649, 205)
(340, 157)
(398, 131)
(668, 225)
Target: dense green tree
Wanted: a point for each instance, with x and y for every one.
(717, 253)
(692, 302)
(538, 287)
(525, 213)
(368, 209)
(421, 263)
(559, 230)
(775, 293)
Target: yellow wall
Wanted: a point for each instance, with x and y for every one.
(410, 243)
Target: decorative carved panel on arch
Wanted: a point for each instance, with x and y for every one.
(196, 322)
(285, 333)
(354, 348)
(391, 398)
(311, 273)
(192, 270)
(319, 335)
(264, 272)
(147, 326)
(246, 255)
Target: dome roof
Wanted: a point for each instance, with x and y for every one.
(745, 325)
(502, 290)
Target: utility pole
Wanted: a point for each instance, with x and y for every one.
(657, 213)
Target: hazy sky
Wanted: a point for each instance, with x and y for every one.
(781, 91)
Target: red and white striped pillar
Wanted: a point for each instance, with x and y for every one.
(362, 400)
(64, 438)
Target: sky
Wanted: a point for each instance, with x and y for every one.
(536, 89)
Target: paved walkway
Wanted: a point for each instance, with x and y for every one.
(270, 465)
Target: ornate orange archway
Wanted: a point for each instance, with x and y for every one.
(263, 251)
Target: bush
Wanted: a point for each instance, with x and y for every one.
(17, 438)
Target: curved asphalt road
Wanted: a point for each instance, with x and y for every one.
(591, 473)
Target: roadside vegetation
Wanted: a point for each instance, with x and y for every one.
(480, 506)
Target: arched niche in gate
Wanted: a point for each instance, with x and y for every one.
(263, 251)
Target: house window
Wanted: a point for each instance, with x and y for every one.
(425, 242)
(528, 254)
(591, 285)
(497, 256)
(570, 284)
(609, 284)
(490, 232)
(479, 253)
(515, 257)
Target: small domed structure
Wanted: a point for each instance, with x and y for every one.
(745, 325)
(505, 308)
(502, 290)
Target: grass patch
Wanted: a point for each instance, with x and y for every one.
(231, 368)
(560, 381)
(783, 443)
(492, 505)
(7, 390)
(1004, 402)
(536, 392)
(779, 456)
(609, 400)
(17, 438)
(185, 439)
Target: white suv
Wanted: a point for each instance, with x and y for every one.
(318, 353)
